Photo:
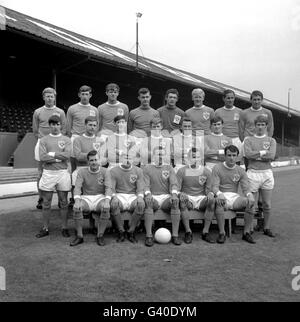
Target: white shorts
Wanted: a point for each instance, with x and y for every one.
(196, 201)
(75, 173)
(210, 165)
(260, 179)
(230, 199)
(93, 201)
(126, 200)
(37, 151)
(73, 137)
(161, 199)
(52, 180)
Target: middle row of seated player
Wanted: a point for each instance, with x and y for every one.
(110, 147)
(143, 191)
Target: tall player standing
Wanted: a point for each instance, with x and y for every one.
(41, 128)
(112, 108)
(54, 152)
(76, 116)
(200, 114)
(260, 150)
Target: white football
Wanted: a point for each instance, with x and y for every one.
(162, 235)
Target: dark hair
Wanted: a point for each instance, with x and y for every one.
(143, 91)
(231, 148)
(90, 119)
(172, 91)
(216, 119)
(54, 119)
(112, 86)
(228, 91)
(261, 119)
(186, 119)
(85, 88)
(119, 117)
(91, 154)
(257, 93)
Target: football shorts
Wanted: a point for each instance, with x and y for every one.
(260, 179)
(52, 180)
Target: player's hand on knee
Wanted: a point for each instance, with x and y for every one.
(140, 205)
(210, 196)
(114, 203)
(106, 205)
(174, 200)
(251, 200)
(221, 200)
(149, 200)
(183, 197)
(77, 205)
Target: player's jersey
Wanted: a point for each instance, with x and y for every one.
(128, 181)
(118, 145)
(252, 148)
(247, 117)
(214, 145)
(182, 144)
(93, 183)
(200, 117)
(227, 179)
(58, 144)
(194, 182)
(147, 145)
(107, 113)
(40, 125)
(231, 118)
(160, 180)
(171, 118)
(83, 144)
(139, 119)
(76, 116)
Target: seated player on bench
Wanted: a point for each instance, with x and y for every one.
(94, 182)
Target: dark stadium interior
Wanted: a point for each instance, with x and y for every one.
(28, 65)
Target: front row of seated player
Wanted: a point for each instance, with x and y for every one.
(142, 191)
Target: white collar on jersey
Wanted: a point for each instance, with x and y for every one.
(86, 105)
(88, 137)
(120, 134)
(90, 171)
(253, 109)
(200, 167)
(126, 169)
(50, 108)
(226, 166)
(199, 107)
(55, 136)
(214, 134)
(156, 137)
(117, 103)
(229, 109)
(260, 136)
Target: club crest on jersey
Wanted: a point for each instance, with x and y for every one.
(206, 115)
(100, 179)
(177, 119)
(92, 113)
(120, 111)
(236, 116)
(264, 115)
(165, 174)
(56, 113)
(236, 177)
(202, 180)
(224, 143)
(96, 146)
(162, 145)
(133, 178)
(61, 144)
(266, 145)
